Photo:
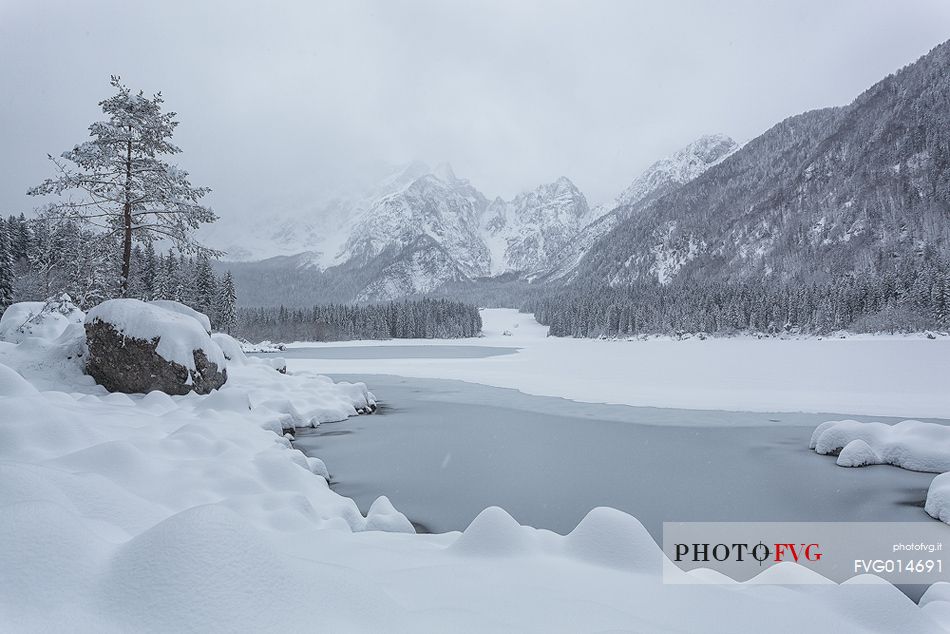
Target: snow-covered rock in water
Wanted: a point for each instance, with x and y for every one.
(910, 444)
(264, 346)
(938, 498)
(135, 347)
(857, 453)
(45, 320)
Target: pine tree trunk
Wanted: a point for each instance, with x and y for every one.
(127, 219)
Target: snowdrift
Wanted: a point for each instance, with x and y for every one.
(171, 513)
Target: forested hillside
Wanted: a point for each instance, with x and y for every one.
(421, 319)
(836, 218)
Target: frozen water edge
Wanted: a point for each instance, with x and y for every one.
(152, 513)
(548, 461)
(879, 376)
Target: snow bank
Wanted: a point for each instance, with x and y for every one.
(179, 333)
(193, 513)
(43, 320)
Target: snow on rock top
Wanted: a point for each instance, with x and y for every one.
(188, 311)
(178, 334)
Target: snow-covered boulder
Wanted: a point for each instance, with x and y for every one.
(857, 453)
(45, 320)
(136, 347)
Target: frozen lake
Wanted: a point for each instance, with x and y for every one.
(443, 450)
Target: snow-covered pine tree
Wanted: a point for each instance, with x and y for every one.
(227, 299)
(6, 266)
(127, 189)
(204, 288)
(85, 271)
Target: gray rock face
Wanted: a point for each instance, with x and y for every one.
(126, 364)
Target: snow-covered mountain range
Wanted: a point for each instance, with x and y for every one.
(419, 228)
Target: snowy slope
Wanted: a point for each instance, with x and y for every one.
(156, 514)
(524, 233)
(659, 179)
(440, 206)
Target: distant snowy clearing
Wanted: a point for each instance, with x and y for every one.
(882, 376)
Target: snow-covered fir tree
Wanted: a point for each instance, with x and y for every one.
(226, 304)
(51, 256)
(127, 190)
(6, 266)
(406, 319)
(204, 288)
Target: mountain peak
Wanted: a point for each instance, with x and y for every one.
(444, 173)
(710, 148)
(682, 166)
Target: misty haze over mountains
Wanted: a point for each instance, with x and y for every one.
(420, 228)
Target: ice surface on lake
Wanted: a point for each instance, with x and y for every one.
(548, 461)
(876, 376)
(156, 513)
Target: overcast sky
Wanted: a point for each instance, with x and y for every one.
(279, 101)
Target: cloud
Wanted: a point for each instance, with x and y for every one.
(281, 102)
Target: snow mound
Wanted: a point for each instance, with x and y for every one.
(12, 384)
(909, 444)
(383, 516)
(182, 309)
(789, 573)
(939, 591)
(318, 467)
(857, 453)
(43, 320)
(178, 334)
(495, 533)
(608, 537)
(231, 348)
